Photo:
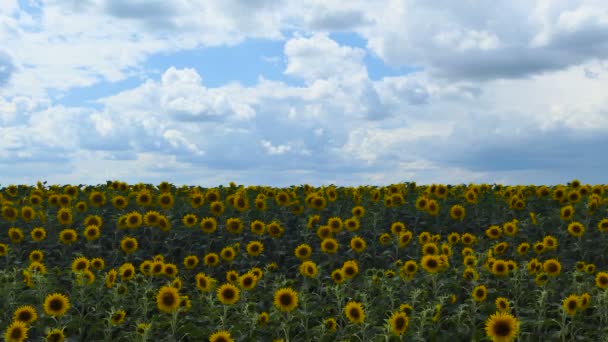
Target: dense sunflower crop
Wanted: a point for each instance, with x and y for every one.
(119, 262)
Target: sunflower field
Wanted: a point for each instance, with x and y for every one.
(405, 262)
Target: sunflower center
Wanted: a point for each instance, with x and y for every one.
(285, 299)
(354, 313)
(168, 299)
(502, 328)
(228, 293)
(56, 304)
(399, 323)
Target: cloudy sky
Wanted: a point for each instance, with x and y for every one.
(291, 92)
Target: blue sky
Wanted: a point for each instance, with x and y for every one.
(281, 93)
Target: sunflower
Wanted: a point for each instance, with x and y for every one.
(98, 264)
(354, 312)
(142, 328)
(399, 323)
(221, 336)
(601, 280)
(190, 220)
(468, 239)
(151, 218)
(36, 255)
(212, 195)
(258, 227)
(211, 259)
(170, 270)
(590, 268)
(68, 236)
(385, 239)
(191, 261)
(430, 263)
(275, 229)
(15, 234)
(494, 232)
(255, 248)
(602, 226)
(308, 269)
(126, 271)
(157, 267)
(118, 317)
(523, 248)
(324, 232)
(330, 324)
(566, 213)
(404, 238)
(228, 253)
(352, 224)
(397, 228)
(3, 249)
(128, 244)
(313, 220)
(510, 228)
(82, 207)
(56, 304)
(329, 246)
(502, 327)
(119, 202)
(285, 299)
(16, 332)
(143, 198)
(570, 304)
(167, 299)
(263, 318)
(111, 278)
(27, 213)
(94, 220)
(430, 248)
(480, 293)
(584, 300)
(552, 267)
(358, 211)
(55, 335)
(424, 237)
(500, 268)
(204, 282)
(248, 281)
(457, 212)
(232, 276)
(453, 238)
(26, 314)
(208, 225)
(357, 244)
(217, 208)
(234, 225)
(408, 270)
(97, 199)
(134, 220)
(422, 203)
(80, 264)
(38, 267)
(432, 208)
(502, 304)
(228, 294)
(338, 276)
(38, 234)
(165, 200)
(303, 251)
(9, 213)
(196, 199)
(92, 232)
(576, 229)
(164, 224)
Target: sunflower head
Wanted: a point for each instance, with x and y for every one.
(502, 326)
(56, 304)
(167, 299)
(354, 312)
(285, 299)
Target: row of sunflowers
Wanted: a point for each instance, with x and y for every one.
(401, 262)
